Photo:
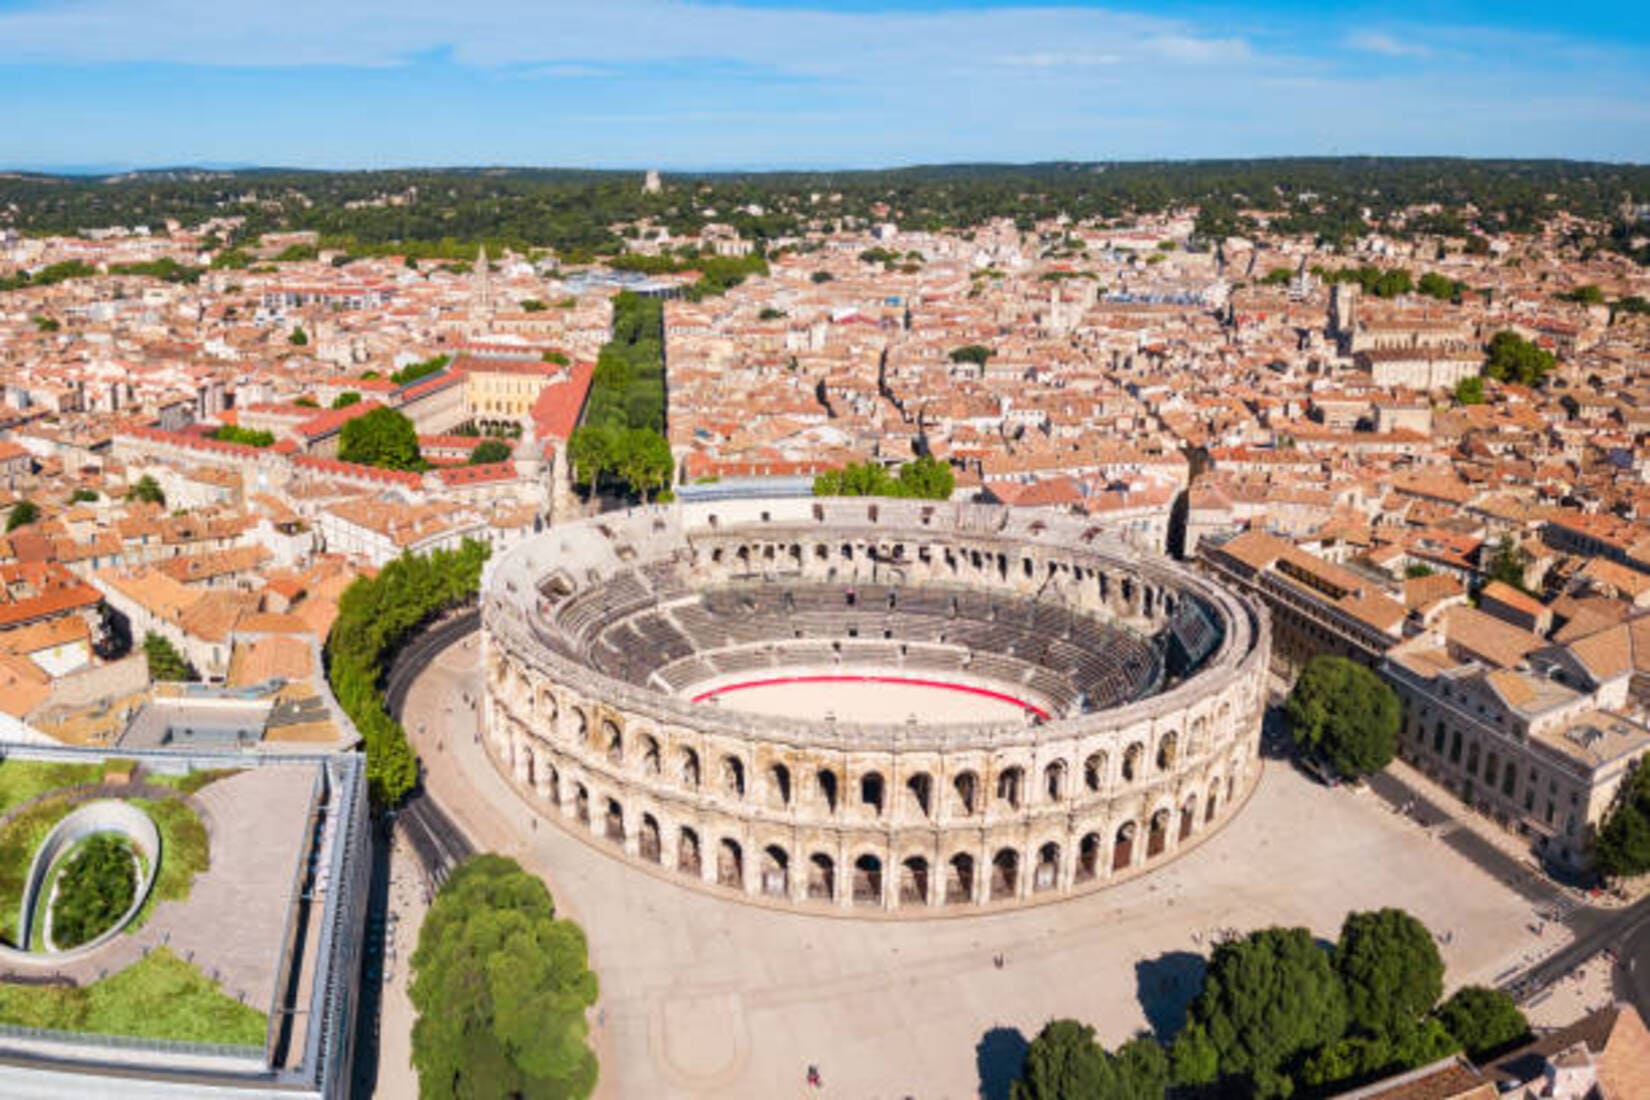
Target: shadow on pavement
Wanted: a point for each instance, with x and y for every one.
(1000, 1056)
(1165, 987)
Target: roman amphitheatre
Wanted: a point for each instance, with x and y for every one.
(870, 708)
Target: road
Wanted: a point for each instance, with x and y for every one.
(1623, 932)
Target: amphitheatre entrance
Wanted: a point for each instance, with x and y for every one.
(870, 698)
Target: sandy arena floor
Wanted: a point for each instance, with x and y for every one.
(865, 701)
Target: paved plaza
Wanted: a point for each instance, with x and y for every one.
(708, 997)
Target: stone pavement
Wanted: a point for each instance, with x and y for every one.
(703, 996)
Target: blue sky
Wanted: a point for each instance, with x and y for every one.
(858, 83)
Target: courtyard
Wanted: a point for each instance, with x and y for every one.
(707, 996)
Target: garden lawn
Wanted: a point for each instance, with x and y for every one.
(21, 780)
(158, 997)
(19, 840)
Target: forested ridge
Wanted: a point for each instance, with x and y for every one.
(446, 212)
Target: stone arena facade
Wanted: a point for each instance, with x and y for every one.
(596, 635)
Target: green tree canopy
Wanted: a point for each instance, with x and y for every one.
(23, 513)
(1390, 969)
(383, 437)
(1064, 1062)
(234, 433)
(501, 986)
(1623, 845)
(299, 338)
(1483, 1020)
(490, 450)
(147, 490)
(345, 399)
(1515, 359)
(1507, 563)
(1470, 390)
(1434, 285)
(375, 615)
(412, 372)
(1346, 713)
(972, 353)
(1268, 999)
(925, 478)
(165, 662)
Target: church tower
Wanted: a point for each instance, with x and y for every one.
(481, 294)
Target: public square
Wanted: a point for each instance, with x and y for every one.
(707, 996)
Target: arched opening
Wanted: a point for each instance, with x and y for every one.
(733, 776)
(779, 785)
(1131, 761)
(1188, 817)
(821, 877)
(1122, 853)
(1054, 781)
(1009, 784)
(690, 769)
(1158, 836)
(825, 780)
(1094, 771)
(776, 871)
(967, 786)
(1005, 874)
(581, 804)
(1168, 748)
(650, 754)
(921, 789)
(730, 864)
(1088, 857)
(870, 791)
(1047, 875)
(868, 880)
(689, 860)
(913, 881)
(615, 742)
(1212, 801)
(959, 882)
(613, 822)
(552, 785)
(647, 841)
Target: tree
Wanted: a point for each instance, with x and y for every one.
(412, 372)
(147, 490)
(532, 305)
(1507, 564)
(1515, 359)
(1390, 969)
(234, 433)
(1434, 285)
(1064, 1062)
(1470, 390)
(1268, 999)
(23, 513)
(501, 986)
(821, 277)
(1623, 845)
(1193, 1059)
(1482, 1020)
(299, 338)
(1587, 295)
(927, 478)
(345, 399)
(375, 615)
(383, 437)
(83, 496)
(490, 450)
(971, 353)
(1346, 713)
(165, 662)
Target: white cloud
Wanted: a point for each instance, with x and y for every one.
(1386, 44)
